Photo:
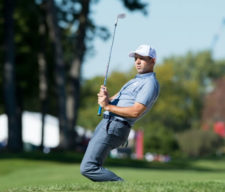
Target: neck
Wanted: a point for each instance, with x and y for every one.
(150, 71)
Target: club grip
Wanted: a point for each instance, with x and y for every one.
(99, 110)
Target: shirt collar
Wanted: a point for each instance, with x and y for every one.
(144, 75)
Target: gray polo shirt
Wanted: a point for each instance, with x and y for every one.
(144, 89)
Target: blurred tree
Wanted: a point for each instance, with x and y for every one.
(27, 45)
(11, 104)
(197, 142)
(1, 57)
(191, 77)
(26, 40)
(75, 69)
(214, 106)
(174, 106)
(184, 81)
(42, 64)
(59, 71)
(159, 139)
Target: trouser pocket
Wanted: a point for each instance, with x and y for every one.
(118, 129)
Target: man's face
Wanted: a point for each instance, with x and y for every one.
(144, 64)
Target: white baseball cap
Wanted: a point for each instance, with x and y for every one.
(144, 50)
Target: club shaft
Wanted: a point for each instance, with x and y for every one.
(110, 53)
(107, 67)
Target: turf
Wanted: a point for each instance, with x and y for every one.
(22, 175)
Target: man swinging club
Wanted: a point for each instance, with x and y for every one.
(122, 110)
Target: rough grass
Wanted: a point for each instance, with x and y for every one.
(28, 175)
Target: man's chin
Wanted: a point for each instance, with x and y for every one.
(140, 72)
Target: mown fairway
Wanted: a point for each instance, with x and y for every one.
(32, 175)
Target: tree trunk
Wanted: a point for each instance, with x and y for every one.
(43, 93)
(43, 86)
(59, 71)
(14, 115)
(73, 101)
(74, 75)
(43, 83)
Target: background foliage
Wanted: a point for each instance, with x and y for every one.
(175, 120)
(188, 82)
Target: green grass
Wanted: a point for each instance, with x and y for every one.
(29, 175)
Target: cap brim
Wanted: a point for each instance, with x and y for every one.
(132, 54)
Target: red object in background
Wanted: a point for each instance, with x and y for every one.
(139, 144)
(219, 128)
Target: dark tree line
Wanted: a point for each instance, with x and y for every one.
(44, 44)
(11, 102)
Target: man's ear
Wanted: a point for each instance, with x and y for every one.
(154, 60)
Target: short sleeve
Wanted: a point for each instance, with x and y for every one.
(147, 93)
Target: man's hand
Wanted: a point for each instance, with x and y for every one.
(133, 111)
(103, 98)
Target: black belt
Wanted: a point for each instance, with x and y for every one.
(113, 118)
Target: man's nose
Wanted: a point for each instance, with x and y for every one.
(138, 61)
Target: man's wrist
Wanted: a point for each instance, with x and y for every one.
(107, 107)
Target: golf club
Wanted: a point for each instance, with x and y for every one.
(120, 16)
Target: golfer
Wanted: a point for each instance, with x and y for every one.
(122, 110)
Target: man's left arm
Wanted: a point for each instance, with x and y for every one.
(131, 112)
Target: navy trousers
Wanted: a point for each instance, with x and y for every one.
(109, 134)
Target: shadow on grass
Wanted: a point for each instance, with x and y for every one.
(71, 157)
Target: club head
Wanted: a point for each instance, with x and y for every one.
(121, 16)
